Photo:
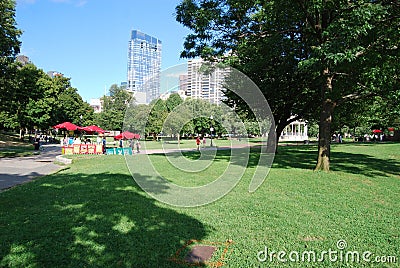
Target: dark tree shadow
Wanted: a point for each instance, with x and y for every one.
(225, 156)
(96, 220)
(305, 157)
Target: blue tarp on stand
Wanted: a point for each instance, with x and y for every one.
(119, 151)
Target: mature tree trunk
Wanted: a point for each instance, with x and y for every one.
(272, 140)
(325, 121)
(324, 141)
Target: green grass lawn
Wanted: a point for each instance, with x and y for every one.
(11, 146)
(93, 214)
(17, 151)
(191, 143)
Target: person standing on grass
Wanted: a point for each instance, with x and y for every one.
(104, 144)
(138, 146)
(204, 141)
(198, 143)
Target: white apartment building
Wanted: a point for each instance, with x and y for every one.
(96, 105)
(204, 85)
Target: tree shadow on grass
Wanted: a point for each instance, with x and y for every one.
(95, 220)
(241, 158)
(305, 157)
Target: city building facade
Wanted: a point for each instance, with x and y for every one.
(23, 60)
(206, 85)
(144, 65)
(97, 105)
(53, 74)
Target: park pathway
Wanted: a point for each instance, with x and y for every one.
(18, 170)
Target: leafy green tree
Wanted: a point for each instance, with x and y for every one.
(118, 99)
(25, 91)
(223, 26)
(156, 117)
(200, 111)
(362, 116)
(136, 118)
(173, 101)
(114, 108)
(9, 48)
(329, 52)
(57, 102)
(175, 121)
(72, 108)
(353, 47)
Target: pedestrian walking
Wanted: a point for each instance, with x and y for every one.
(198, 143)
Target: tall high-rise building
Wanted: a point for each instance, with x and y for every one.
(24, 60)
(204, 85)
(144, 64)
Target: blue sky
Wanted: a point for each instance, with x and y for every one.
(87, 40)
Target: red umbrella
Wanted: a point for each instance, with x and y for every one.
(92, 129)
(391, 128)
(377, 131)
(97, 129)
(67, 126)
(127, 135)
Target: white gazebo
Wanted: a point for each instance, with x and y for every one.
(295, 131)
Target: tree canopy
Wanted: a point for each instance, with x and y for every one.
(9, 48)
(114, 108)
(301, 53)
(38, 101)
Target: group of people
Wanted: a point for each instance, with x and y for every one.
(132, 143)
(68, 141)
(75, 140)
(198, 142)
(40, 138)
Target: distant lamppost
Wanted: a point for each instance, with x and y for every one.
(211, 129)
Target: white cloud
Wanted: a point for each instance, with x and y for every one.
(81, 3)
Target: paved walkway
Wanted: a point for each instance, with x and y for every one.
(18, 170)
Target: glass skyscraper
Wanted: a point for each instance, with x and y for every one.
(144, 64)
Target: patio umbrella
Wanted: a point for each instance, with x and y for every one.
(93, 128)
(391, 128)
(67, 126)
(377, 131)
(97, 129)
(127, 135)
